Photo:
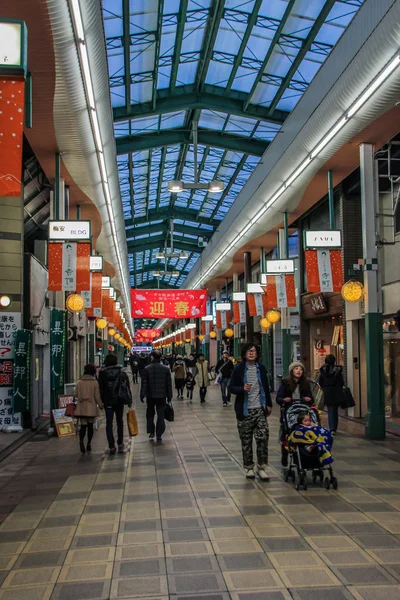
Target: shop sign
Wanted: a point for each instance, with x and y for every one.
(21, 371)
(64, 399)
(223, 306)
(276, 267)
(174, 304)
(69, 267)
(96, 263)
(10, 323)
(105, 282)
(64, 231)
(57, 351)
(13, 47)
(318, 304)
(280, 291)
(322, 239)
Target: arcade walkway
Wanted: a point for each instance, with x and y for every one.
(179, 520)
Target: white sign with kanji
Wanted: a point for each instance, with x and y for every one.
(9, 325)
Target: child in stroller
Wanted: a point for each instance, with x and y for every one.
(308, 445)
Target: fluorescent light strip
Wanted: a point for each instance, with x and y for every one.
(77, 17)
(365, 96)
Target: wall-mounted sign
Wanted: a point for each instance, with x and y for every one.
(105, 283)
(318, 304)
(96, 263)
(69, 230)
(254, 288)
(239, 296)
(322, 239)
(118, 306)
(223, 306)
(13, 47)
(207, 318)
(276, 267)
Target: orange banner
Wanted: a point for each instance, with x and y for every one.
(54, 265)
(82, 267)
(251, 301)
(11, 128)
(95, 311)
(280, 291)
(324, 270)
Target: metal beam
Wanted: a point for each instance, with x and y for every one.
(250, 24)
(166, 213)
(160, 266)
(164, 227)
(160, 177)
(127, 53)
(221, 162)
(151, 285)
(178, 43)
(186, 98)
(131, 192)
(173, 137)
(215, 15)
(158, 243)
(228, 187)
(271, 49)
(157, 50)
(319, 21)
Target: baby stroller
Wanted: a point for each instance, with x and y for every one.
(300, 460)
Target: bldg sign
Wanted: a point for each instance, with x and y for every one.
(96, 263)
(69, 230)
(105, 282)
(318, 304)
(322, 239)
(277, 267)
(13, 47)
(239, 296)
(223, 306)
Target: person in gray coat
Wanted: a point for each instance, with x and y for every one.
(157, 389)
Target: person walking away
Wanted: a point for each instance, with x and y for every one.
(143, 362)
(202, 378)
(332, 383)
(87, 393)
(157, 389)
(190, 383)
(114, 390)
(249, 382)
(294, 388)
(129, 374)
(134, 363)
(225, 368)
(179, 371)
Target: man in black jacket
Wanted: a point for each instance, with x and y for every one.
(157, 389)
(253, 404)
(225, 368)
(111, 377)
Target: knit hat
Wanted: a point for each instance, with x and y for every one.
(295, 364)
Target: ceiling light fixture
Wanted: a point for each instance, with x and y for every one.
(90, 100)
(328, 137)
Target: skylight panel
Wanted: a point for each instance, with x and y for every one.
(218, 73)
(172, 120)
(289, 100)
(229, 38)
(144, 124)
(259, 43)
(244, 79)
(141, 92)
(298, 26)
(187, 73)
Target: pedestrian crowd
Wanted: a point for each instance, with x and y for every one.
(112, 387)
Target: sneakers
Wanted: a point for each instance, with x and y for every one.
(262, 473)
(225, 405)
(121, 449)
(229, 403)
(151, 436)
(113, 450)
(250, 474)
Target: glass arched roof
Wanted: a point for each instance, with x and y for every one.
(237, 69)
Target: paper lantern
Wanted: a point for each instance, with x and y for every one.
(273, 316)
(111, 331)
(187, 340)
(352, 291)
(201, 337)
(229, 333)
(265, 323)
(213, 335)
(75, 303)
(101, 323)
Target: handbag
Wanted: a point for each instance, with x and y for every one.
(169, 412)
(133, 426)
(319, 398)
(70, 409)
(348, 400)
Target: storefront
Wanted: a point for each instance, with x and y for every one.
(391, 367)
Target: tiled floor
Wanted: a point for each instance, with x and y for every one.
(178, 520)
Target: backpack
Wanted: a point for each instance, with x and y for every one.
(122, 389)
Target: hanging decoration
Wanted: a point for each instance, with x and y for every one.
(12, 126)
(324, 270)
(95, 308)
(352, 291)
(280, 291)
(257, 304)
(101, 323)
(213, 335)
(264, 323)
(273, 316)
(174, 304)
(69, 266)
(229, 333)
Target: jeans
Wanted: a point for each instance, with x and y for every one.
(203, 394)
(118, 411)
(254, 425)
(153, 405)
(333, 417)
(224, 389)
(189, 394)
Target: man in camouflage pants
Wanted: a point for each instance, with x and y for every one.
(254, 425)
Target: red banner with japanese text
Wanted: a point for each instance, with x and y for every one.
(280, 291)
(95, 310)
(324, 270)
(171, 304)
(147, 335)
(69, 267)
(11, 128)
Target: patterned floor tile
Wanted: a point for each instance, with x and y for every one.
(137, 587)
(253, 580)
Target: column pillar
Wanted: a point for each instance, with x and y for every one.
(247, 279)
(375, 417)
(236, 326)
(219, 331)
(91, 341)
(285, 312)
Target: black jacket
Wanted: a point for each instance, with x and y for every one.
(225, 368)
(332, 382)
(236, 387)
(134, 360)
(285, 392)
(156, 382)
(109, 383)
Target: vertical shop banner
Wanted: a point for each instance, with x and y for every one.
(57, 353)
(69, 267)
(173, 304)
(11, 128)
(21, 401)
(242, 312)
(324, 270)
(10, 323)
(280, 291)
(259, 304)
(218, 319)
(96, 298)
(251, 302)
(87, 294)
